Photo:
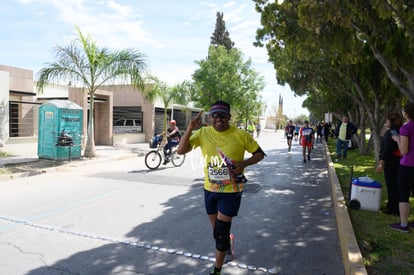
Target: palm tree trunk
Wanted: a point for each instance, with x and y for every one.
(90, 150)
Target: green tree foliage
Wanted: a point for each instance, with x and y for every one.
(384, 27)
(86, 65)
(387, 28)
(224, 75)
(221, 35)
(316, 49)
(182, 92)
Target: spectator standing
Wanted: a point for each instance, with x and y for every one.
(343, 134)
(223, 147)
(384, 128)
(405, 142)
(389, 162)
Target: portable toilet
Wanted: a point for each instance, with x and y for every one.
(60, 130)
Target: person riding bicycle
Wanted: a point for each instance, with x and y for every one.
(173, 137)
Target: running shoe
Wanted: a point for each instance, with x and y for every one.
(397, 226)
(308, 156)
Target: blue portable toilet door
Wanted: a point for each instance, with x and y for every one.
(47, 132)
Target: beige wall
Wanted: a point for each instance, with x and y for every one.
(20, 79)
(103, 118)
(127, 95)
(102, 114)
(28, 117)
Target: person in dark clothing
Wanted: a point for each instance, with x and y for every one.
(319, 132)
(289, 132)
(389, 162)
(326, 130)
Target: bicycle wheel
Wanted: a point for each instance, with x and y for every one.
(176, 159)
(153, 159)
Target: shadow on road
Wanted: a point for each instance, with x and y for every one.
(286, 224)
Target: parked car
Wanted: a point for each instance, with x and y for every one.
(128, 125)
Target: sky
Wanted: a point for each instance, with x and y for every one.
(171, 34)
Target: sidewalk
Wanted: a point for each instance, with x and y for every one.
(26, 162)
(28, 153)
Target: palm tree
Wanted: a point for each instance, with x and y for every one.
(92, 67)
(160, 89)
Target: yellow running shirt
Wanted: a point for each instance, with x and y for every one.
(233, 143)
(342, 131)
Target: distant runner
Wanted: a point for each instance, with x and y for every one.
(290, 130)
(306, 136)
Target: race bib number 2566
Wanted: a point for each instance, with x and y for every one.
(219, 175)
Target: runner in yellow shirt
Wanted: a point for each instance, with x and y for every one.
(223, 147)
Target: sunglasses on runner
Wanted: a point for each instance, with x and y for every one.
(219, 115)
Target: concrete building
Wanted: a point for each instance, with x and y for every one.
(19, 104)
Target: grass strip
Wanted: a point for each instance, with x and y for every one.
(385, 251)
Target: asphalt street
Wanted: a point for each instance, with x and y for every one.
(118, 217)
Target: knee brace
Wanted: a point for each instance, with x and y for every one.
(222, 235)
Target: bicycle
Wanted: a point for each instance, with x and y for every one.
(154, 158)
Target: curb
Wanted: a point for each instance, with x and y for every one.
(72, 164)
(351, 254)
(19, 175)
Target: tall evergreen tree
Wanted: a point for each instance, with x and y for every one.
(221, 36)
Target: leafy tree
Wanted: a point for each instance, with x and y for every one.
(84, 63)
(387, 28)
(314, 51)
(384, 27)
(224, 75)
(221, 35)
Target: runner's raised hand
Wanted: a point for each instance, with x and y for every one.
(196, 121)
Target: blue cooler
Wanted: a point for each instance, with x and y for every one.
(365, 194)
